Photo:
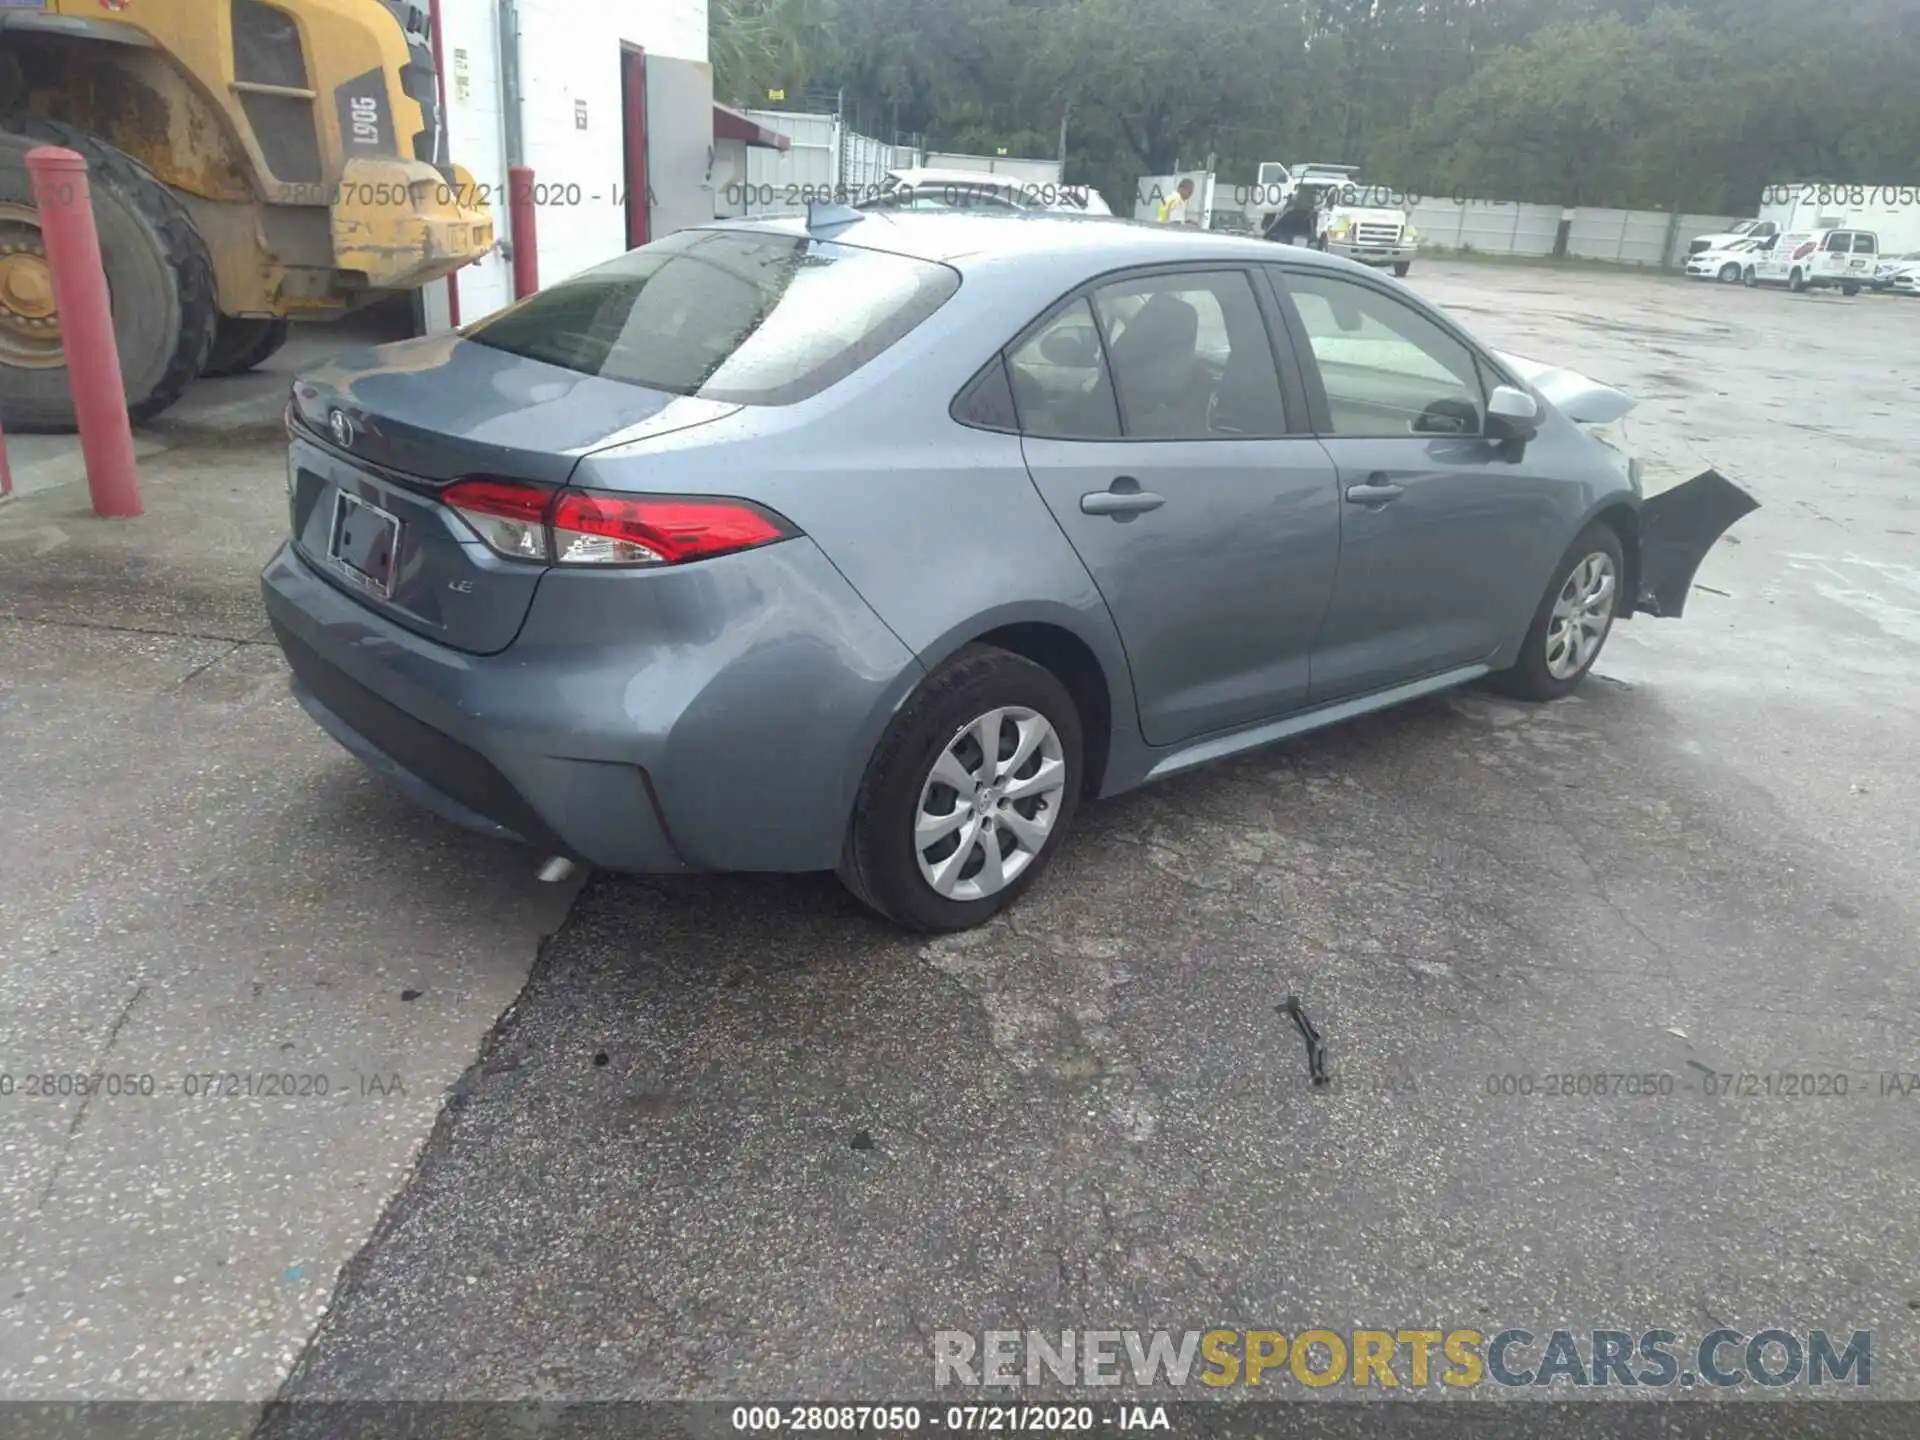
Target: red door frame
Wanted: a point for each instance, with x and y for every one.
(633, 74)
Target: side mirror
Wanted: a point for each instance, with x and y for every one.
(1512, 414)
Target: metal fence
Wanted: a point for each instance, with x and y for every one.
(824, 156)
(1490, 227)
(864, 162)
(1507, 227)
(1494, 227)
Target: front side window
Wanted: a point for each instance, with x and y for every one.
(1061, 388)
(748, 317)
(1387, 369)
(1190, 356)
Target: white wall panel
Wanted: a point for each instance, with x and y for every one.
(569, 78)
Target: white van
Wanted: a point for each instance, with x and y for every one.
(1810, 259)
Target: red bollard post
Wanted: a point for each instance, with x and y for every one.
(526, 239)
(65, 202)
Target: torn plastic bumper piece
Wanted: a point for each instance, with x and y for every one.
(1677, 528)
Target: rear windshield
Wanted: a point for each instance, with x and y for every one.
(740, 316)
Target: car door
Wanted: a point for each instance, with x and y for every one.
(1866, 255)
(1830, 262)
(1156, 429)
(1439, 528)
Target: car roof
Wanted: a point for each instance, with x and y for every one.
(971, 241)
(935, 176)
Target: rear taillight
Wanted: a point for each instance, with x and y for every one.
(509, 516)
(581, 527)
(1805, 250)
(601, 529)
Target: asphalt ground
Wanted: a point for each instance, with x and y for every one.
(737, 1140)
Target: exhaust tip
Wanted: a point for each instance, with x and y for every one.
(557, 869)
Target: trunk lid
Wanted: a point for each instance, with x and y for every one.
(380, 432)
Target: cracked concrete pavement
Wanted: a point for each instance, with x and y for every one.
(736, 1139)
(262, 967)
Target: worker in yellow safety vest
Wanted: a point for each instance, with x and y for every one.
(1173, 209)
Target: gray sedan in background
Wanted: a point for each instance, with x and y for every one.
(878, 542)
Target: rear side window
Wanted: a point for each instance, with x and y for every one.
(1838, 241)
(738, 316)
(1060, 382)
(1190, 357)
(987, 402)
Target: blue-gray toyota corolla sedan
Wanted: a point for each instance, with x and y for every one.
(877, 543)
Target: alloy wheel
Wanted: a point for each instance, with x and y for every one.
(988, 805)
(1582, 614)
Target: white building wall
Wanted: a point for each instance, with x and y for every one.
(569, 79)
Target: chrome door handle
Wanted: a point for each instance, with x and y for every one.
(1377, 491)
(1123, 500)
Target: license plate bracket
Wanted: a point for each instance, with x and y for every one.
(363, 541)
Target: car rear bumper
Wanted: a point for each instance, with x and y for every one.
(719, 718)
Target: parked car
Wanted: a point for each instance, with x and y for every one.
(1897, 272)
(1727, 262)
(1744, 230)
(935, 189)
(1815, 259)
(880, 543)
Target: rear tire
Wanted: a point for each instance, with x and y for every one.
(1401, 267)
(240, 344)
(936, 735)
(159, 277)
(1849, 290)
(1796, 282)
(1544, 669)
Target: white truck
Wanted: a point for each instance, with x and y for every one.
(1326, 207)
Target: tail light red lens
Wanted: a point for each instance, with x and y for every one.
(599, 529)
(510, 516)
(582, 527)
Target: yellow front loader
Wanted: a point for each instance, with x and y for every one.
(251, 161)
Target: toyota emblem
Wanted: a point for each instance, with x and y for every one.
(342, 429)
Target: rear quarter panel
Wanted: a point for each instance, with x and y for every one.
(936, 525)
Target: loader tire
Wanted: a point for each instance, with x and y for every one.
(159, 280)
(239, 344)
